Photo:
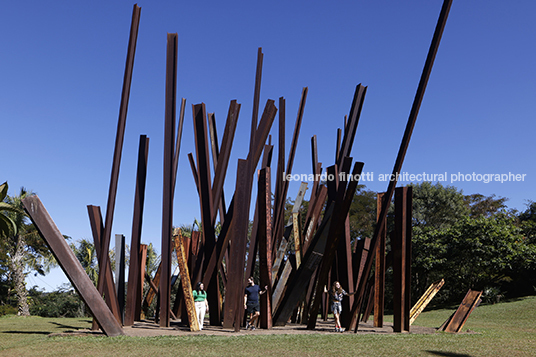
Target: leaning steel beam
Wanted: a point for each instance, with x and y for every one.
(123, 108)
(178, 143)
(185, 282)
(133, 289)
(71, 266)
(403, 149)
(425, 299)
(167, 200)
(351, 126)
(225, 153)
(279, 213)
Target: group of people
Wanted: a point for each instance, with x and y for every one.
(252, 306)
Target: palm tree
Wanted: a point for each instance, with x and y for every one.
(24, 248)
(6, 223)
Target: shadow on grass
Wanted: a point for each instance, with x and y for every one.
(448, 354)
(66, 326)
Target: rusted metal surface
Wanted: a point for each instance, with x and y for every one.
(455, 323)
(404, 146)
(296, 232)
(71, 266)
(425, 299)
(279, 213)
(120, 272)
(123, 108)
(379, 271)
(224, 154)
(167, 198)
(134, 290)
(256, 98)
(401, 246)
(265, 245)
(95, 219)
(139, 314)
(235, 296)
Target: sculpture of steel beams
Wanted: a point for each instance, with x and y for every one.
(322, 246)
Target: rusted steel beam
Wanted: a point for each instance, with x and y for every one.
(296, 230)
(253, 239)
(279, 178)
(71, 266)
(134, 290)
(215, 150)
(379, 271)
(167, 201)
(425, 299)
(338, 144)
(206, 203)
(139, 314)
(285, 240)
(455, 323)
(195, 174)
(345, 271)
(185, 282)
(264, 200)
(120, 272)
(399, 247)
(123, 108)
(178, 143)
(351, 127)
(235, 296)
(224, 155)
(256, 97)
(312, 222)
(404, 145)
(279, 213)
(95, 219)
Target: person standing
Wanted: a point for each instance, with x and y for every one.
(251, 302)
(201, 304)
(336, 293)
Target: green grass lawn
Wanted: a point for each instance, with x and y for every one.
(505, 329)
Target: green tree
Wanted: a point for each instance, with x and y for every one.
(86, 254)
(362, 213)
(23, 250)
(486, 206)
(437, 206)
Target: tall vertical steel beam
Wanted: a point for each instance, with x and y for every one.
(123, 108)
(71, 266)
(133, 290)
(120, 272)
(403, 147)
(265, 244)
(206, 203)
(379, 271)
(95, 220)
(167, 201)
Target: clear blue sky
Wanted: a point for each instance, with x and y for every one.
(62, 66)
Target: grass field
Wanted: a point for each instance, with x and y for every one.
(505, 329)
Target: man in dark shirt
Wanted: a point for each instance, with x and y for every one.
(251, 302)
